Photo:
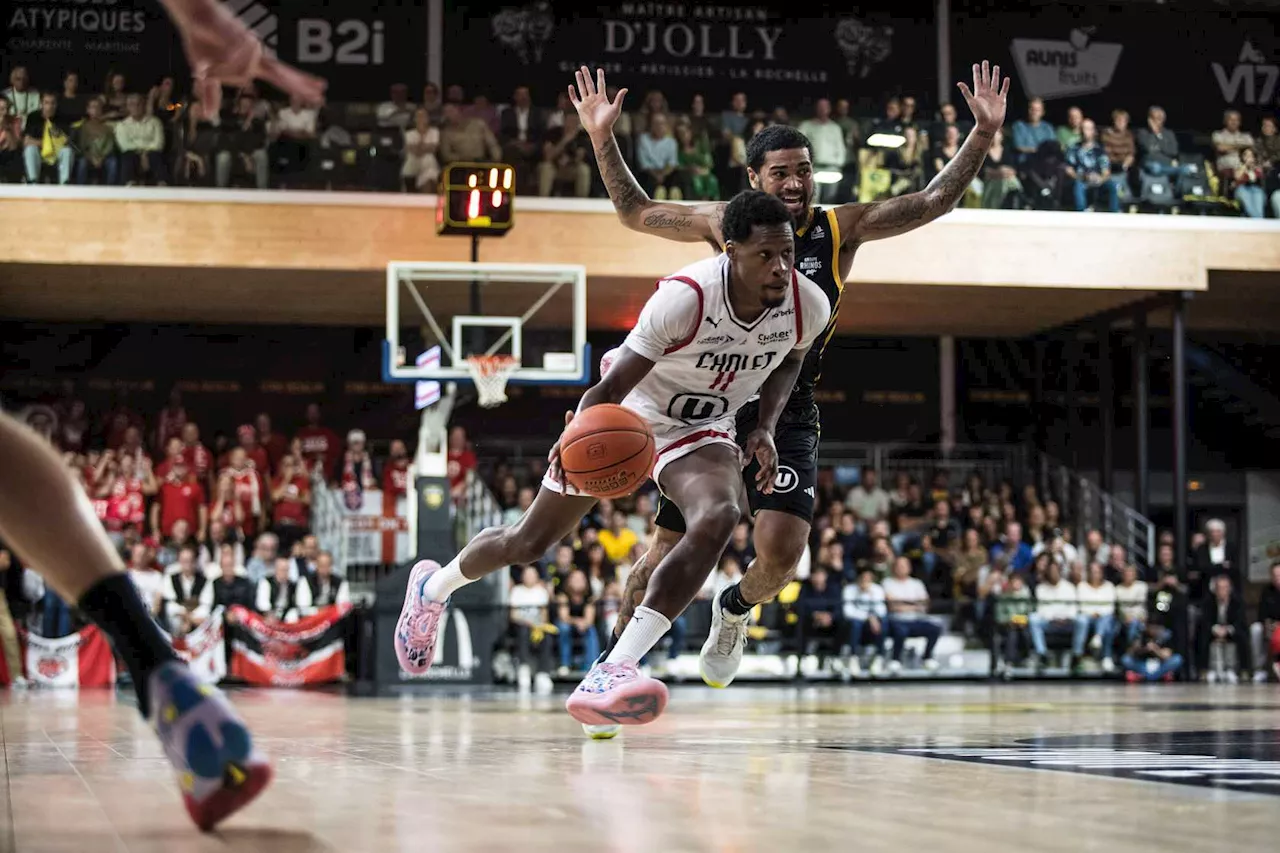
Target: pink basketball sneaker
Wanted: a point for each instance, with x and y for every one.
(617, 694)
(419, 621)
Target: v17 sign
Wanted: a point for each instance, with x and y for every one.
(361, 47)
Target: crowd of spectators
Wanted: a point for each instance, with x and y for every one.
(999, 567)
(888, 572)
(62, 134)
(199, 525)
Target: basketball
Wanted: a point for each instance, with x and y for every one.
(607, 451)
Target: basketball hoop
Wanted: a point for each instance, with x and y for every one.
(490, 373)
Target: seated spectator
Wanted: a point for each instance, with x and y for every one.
(1090, 172)
(866, 614)
(1250, 185)
(248, 492)
(1151, 657)
(95, 139)
(432, 102)
(699, 180)
(1268, 148)
(658, 159)
(867, 499)
(970, 561)
(180, 498)
(941, 542)
(1118, 142)
(243, 143)
(740, 545)
(827, 138)
(116, 97)
(1031, 133)
(72, 104)
(466, 140)
(1014, 605)
(421, 169)
(140, 141)
(179, 537)
(46, 142)
(327, 589)
(618, 539)
(1097, 601)
(1071, 133)
(735, 118)
(519, 129)
(397, 112)
(1131, 605)
(11, 165)
(221, 539)
(564, 168)
(908, 605)
(1264, 634)
(1057, 606)
(22, 99)
(1001, 187)
(147, 581)
(262, 562)
(1158, 146)
(818, 607)
(293, 135)
(1017, 553)
(1215, 556)
(290, 503)
(1222, 638)
(532, 629)
(188, 595)
(282, 597)
(1229, 144)
(355, 470)
(576, 619)
(230, 588)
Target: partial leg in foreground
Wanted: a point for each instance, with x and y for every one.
(705, 484)
(52, 527)
(551, 517)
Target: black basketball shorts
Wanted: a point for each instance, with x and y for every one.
(793, 487)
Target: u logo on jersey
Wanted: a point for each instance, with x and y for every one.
(785, 480)
(697, 408)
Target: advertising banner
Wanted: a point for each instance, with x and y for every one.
(82, 659)
(766, 50)
(1193, 62)
(131, 37)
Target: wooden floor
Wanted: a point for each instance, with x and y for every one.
(895, 767)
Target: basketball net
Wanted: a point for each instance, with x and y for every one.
(490, 373)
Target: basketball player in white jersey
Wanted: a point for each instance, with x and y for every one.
(710, 338)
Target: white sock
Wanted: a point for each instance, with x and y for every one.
(445, 582)
(646, 628)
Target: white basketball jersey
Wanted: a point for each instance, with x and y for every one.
(707, 362)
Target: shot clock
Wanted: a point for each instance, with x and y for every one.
(475, 199)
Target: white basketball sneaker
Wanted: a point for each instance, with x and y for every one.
(721, 654)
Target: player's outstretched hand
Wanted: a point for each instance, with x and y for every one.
(988, 98)
(223, 51)
(597, 112)
(553, 458)
(760, 447)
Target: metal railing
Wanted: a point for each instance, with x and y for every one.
(1089, 507)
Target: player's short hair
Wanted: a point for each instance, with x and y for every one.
(775, 137)
(750, 208)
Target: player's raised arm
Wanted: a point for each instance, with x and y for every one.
(875, 221)
(679, 222)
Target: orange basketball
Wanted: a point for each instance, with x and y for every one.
(607, 451)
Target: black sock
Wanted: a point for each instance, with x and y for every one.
(732, 601)
(114, 606)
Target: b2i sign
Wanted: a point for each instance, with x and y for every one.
(361, 47)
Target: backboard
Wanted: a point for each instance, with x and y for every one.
(534, 313)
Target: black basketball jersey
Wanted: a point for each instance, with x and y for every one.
(818, 257)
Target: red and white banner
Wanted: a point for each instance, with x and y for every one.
(288, 654)
(377, 527)
(205, 649)
(83, 659)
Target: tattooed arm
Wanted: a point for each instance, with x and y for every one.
(682, 223)
(679, 222)
(875, 221)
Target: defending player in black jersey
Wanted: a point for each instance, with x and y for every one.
(779, 162)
